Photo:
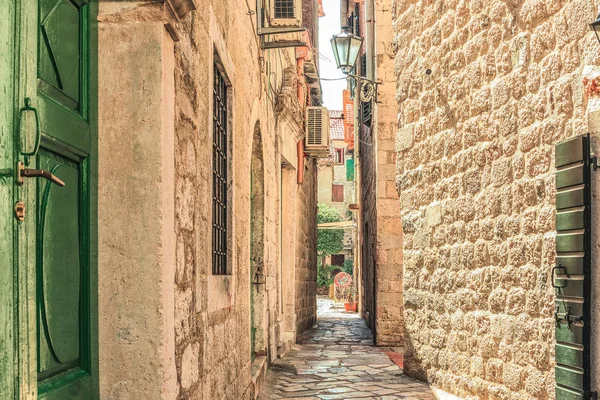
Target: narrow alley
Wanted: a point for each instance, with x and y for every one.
(336, 359)
(299, 199)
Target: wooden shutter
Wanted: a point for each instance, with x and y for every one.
(571, 274)
(348, 119)
(337, 193)
(350, 169)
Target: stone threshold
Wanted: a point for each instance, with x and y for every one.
(259, 367)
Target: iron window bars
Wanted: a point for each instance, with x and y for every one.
(220, 161)
(284, 8)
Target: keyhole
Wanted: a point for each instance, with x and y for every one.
(20, 211)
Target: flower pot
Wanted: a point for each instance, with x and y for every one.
(350, 307)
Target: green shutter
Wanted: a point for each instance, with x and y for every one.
(350, 169)
(571, 274)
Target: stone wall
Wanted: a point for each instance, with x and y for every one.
(212, 311)
(475, 175)
(380, 207)
(306, 249)
(161, 309)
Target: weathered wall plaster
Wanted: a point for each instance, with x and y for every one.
(136, 261)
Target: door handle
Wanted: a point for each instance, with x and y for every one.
(38, 133)
(36, 173)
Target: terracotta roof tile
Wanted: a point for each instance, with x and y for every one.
(336, 125)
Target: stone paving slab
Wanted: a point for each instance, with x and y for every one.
(337, 360)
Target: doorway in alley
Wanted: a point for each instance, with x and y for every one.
(258, 341)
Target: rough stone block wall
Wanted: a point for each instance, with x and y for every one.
(389, 312)
(212, 313)
(306, 248)
(212, 361)
(475, 176)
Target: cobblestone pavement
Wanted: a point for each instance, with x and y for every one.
(337, 360)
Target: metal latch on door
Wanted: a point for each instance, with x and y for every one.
(23, 173)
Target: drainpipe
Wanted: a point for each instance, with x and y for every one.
(300, 58)
(370, 22)
(300, 170)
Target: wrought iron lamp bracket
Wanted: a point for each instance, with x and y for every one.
(367, 88)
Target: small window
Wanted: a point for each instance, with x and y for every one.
(284, 8)
(337, 193)
(338, 156)
(220, 206)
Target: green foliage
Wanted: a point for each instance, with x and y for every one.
(329, 241)
(348, 266)
(324, 278)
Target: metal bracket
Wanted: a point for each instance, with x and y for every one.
(568, 317)
(594, 162)
(257, 275)
(275, 31)
(558, 267)
(367, 88)
(281, 45)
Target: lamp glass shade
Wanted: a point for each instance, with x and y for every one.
(596, 27)
(345, 50)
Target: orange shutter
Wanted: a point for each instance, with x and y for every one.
(348, 119)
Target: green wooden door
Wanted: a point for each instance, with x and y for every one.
(56, 241)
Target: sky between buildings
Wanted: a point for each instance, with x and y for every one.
(329, 25)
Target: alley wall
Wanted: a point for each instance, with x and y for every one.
(169, 327)
(475, 176)
(218, 337)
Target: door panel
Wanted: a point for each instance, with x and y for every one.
(63, 295)
(59, 49)
(59, 267)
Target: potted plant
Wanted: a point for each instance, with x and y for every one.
(351, 304)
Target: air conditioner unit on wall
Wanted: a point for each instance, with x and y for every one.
(285, 13)
(316, 141)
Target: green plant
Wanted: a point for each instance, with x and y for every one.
(324, 278)
(352, 294)
(348, 266)
(329, 241)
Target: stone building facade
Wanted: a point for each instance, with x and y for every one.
(170, 326)
(485, 89)
(380, 245)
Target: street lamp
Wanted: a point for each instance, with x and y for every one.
(346, 47)
(596, 27)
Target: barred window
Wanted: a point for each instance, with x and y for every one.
(220, 183)
(284, 8)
